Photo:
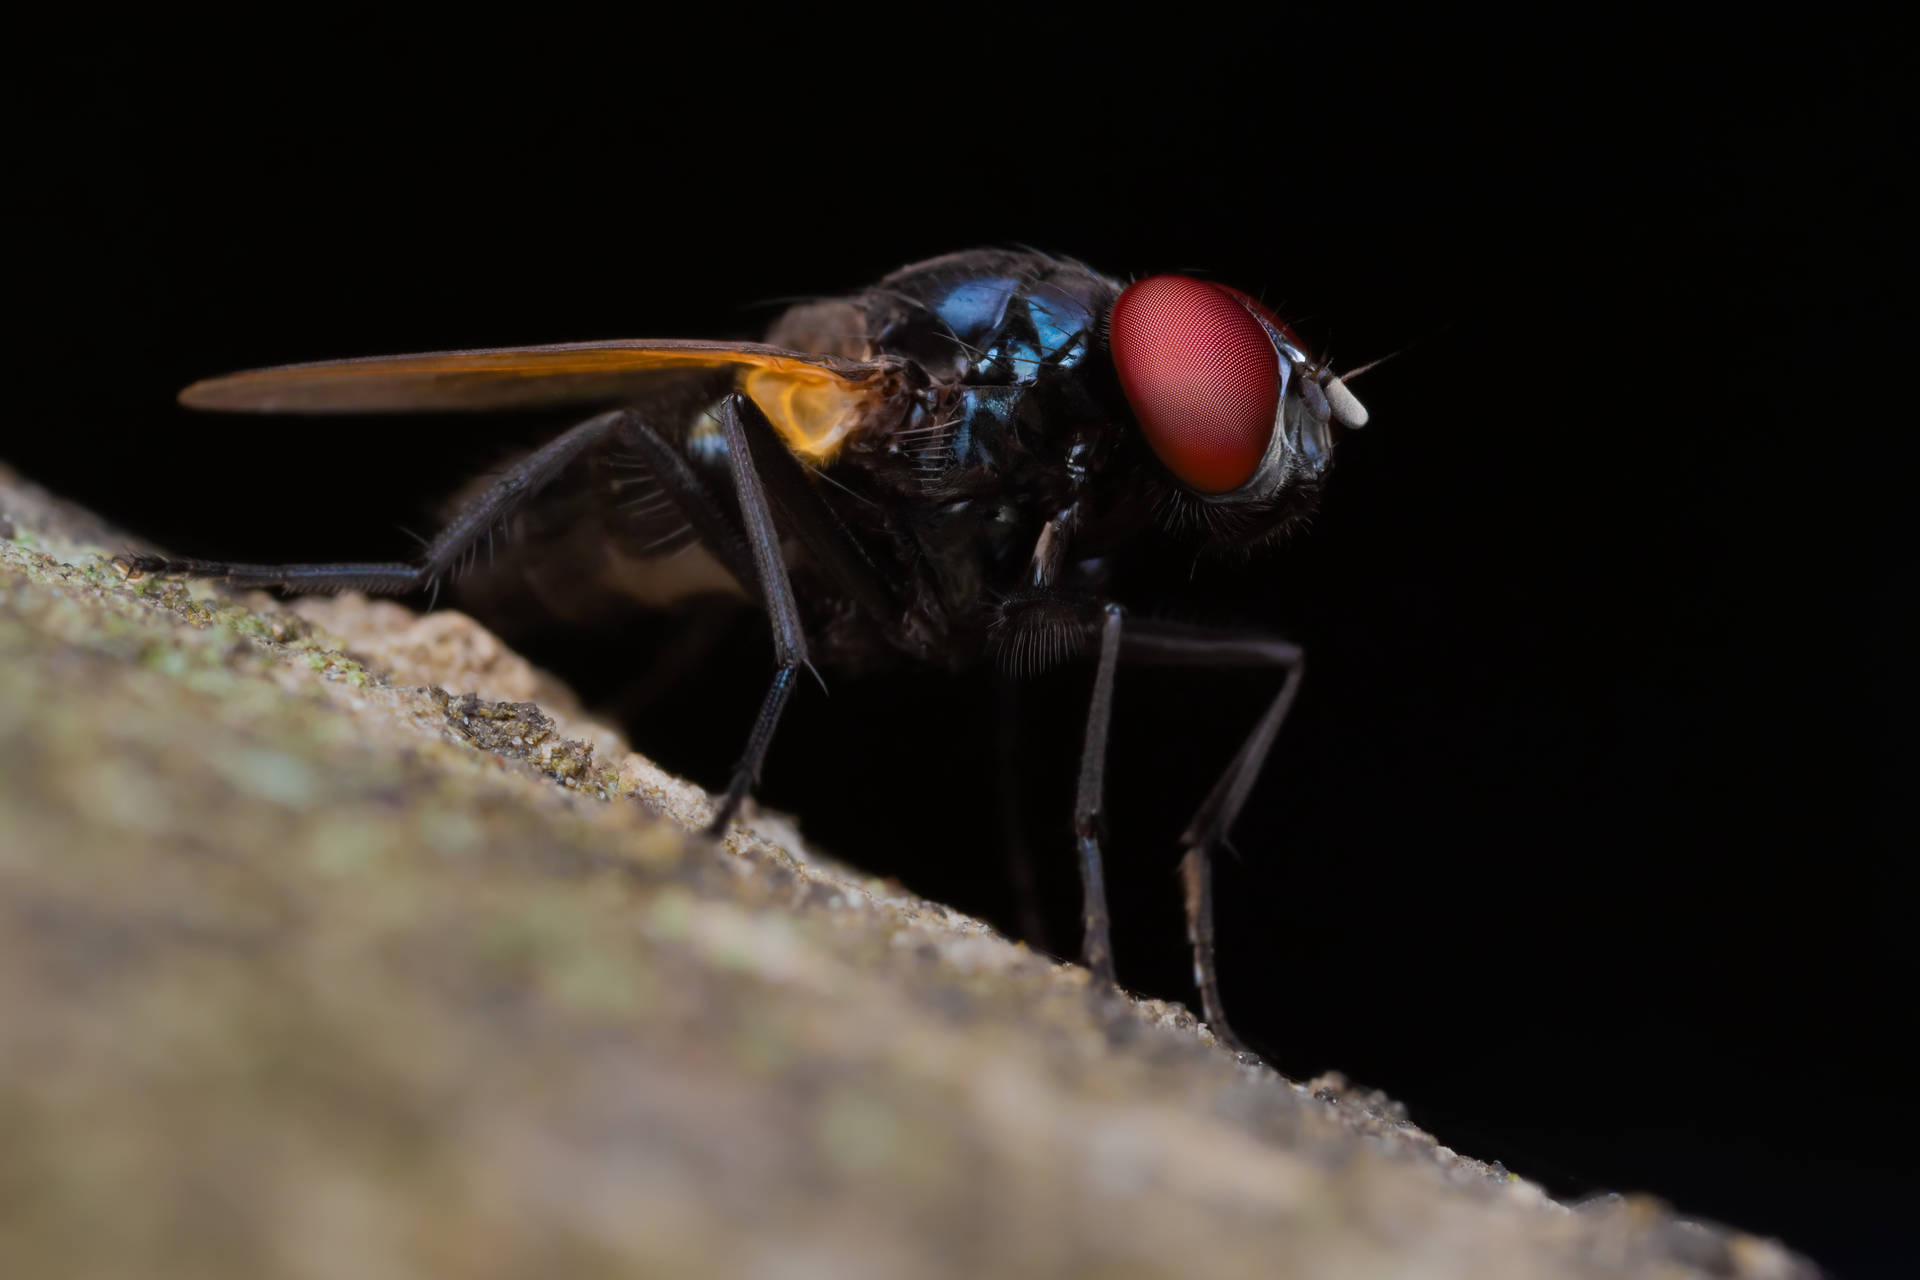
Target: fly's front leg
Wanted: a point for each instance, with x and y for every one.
(776, 594)
(462, 533)
(1089, 807)
(1160, 644)
(1041, 630)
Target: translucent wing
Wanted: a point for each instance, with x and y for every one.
(814, 400)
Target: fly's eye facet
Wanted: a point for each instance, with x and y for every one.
(1201, 375)
(1254, 304)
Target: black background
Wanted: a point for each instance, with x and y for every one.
(1581, 840)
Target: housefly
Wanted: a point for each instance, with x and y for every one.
(944, 468)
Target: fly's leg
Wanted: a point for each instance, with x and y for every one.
(1040, 630)
(750, 439)
(776, 594)
(1030, 635)
(461, 534)
(805, 516)
(766, 477)
(1033, 634)
(1026, 893)
(1089, 806)
(676, 477)
(1164, 645)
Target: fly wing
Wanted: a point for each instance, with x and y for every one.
(814, 400)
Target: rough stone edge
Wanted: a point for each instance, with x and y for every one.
(383, 647)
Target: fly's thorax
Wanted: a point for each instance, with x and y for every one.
(990, 317)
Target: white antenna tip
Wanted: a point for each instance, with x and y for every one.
(1347, 409)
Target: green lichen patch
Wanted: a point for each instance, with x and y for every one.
(522, 731)
(504, 728)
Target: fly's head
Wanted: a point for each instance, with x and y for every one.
(1242, 421)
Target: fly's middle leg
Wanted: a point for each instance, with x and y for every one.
(776, 595)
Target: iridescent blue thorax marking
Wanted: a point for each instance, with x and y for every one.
(1005, 335)
(1014, 332)
(1001, 339)
(1012, 329)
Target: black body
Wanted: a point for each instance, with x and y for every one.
(1011, 419)
(995, 481)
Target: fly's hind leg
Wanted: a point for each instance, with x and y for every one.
(757, 565)
(394, 578)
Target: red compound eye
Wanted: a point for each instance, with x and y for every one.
(1202, 376)
(1286, 330)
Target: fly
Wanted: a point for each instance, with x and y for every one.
(942, 469)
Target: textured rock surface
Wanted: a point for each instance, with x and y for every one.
(335, 940)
